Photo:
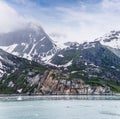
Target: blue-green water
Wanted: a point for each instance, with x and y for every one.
(60, 107)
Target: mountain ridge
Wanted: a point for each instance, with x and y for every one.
(97, 63)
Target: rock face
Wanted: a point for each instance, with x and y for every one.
(49, 84)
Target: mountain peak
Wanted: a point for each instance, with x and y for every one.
(111, 39)
(30, 42)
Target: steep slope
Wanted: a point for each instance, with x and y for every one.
(10, 63)
(30, 42)
(14, 72)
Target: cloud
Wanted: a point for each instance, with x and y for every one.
(9, 18)
(86, 22)
(79, 22)
(112, 5)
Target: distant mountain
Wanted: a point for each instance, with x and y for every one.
(111, 41)
(93, 52)
(100, 52)
(30, 42)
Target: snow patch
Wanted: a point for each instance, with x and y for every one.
(74, 72)
(27, 56)
(66, 65)
(15, 53)
(47, 58)
(11, 84)
(42, 38)
(23, 44)
(111, 40)
(60, 55)
(88, 45)
(114, 43)
(31, 49)
(42, 45)
(26, 47)
(10, 48)
(34, 40)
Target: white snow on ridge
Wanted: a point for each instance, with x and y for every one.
(89, 45)
(114, 43)
(15, 53)
(4, 48)
(27, 56)
(10, 48)
(111, 40)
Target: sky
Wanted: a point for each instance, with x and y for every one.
(66, 20)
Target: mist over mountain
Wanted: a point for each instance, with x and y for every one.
(29, 42)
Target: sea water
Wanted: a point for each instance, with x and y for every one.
(60, 107)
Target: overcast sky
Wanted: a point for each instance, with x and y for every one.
(75, 20)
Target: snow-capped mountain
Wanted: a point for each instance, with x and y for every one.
(30, 42)
(97, 62)
(111, 40)
(103, 52)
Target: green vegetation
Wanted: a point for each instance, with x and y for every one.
(19, 78)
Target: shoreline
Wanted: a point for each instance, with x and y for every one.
(113, 94)
(7, 98)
